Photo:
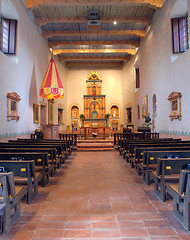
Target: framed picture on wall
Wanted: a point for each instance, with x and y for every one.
(145, 106)
(36, 112)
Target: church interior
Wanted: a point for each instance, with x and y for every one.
(94, 131)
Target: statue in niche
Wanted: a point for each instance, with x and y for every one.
(94, 90)
(114, 114)
(74, 114)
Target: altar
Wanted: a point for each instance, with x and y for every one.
(94, 102)
(95, 113)
(95, 122)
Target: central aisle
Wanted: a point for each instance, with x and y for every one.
(97, 196)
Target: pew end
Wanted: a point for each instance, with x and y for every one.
(10, 196)
(181, 198)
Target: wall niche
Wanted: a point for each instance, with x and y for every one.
(12, 106)
(175, 105)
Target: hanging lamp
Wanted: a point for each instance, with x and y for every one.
(51, 86)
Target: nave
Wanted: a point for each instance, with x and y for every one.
(96, 196)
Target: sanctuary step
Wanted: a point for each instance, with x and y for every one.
(95, 145)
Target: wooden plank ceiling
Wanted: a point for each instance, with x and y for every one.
(65, 26)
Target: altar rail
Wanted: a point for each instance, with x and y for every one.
(102, 132)
(66, 136)
(138, 135)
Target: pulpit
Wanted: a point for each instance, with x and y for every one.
(51, 131)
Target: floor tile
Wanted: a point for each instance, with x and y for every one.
(97, 196)
(133, 232)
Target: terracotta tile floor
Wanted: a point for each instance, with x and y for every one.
(97, 196)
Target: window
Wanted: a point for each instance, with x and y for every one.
(137, 76)
(180, 34)
(9, 27)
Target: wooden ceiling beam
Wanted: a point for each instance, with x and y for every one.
(150, 3)
(61, 51)
(45, 20)
(97, 58)
(93, 64)
(53, 44)
(140, 33)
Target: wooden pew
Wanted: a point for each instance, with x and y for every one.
(2, 212)
(52, 167)
(132, 147)
(65, 136)
(10, 198)
(181, 198)
(41, 162)
(24, 174)
(149, 163)
(58, 154)
(139, 151)
(167, 172)
(140, 158)
(66, 144)
(123, 143)
(126, 143)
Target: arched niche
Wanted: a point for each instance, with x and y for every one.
(114, 114)
(74, 112)
(74, 118)
(114, 111)
(93, 89)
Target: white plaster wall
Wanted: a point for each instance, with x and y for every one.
(159, 75)
(77, 87)
(23, 74)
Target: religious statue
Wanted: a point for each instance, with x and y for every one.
(74, 114)
(94, 90)
(114, 114)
